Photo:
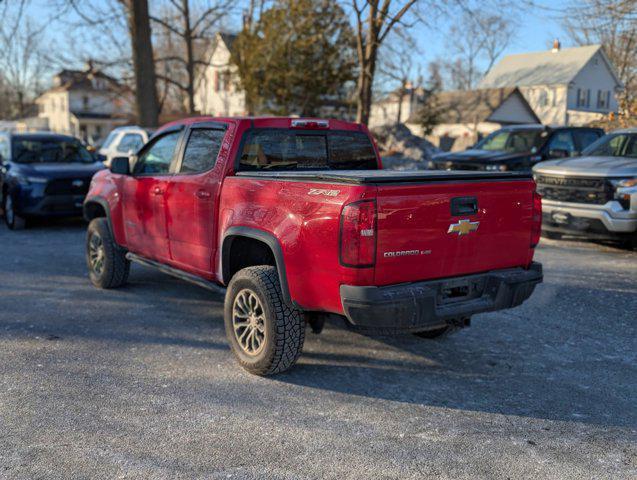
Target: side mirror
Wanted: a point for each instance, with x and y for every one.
(558, 153)
(120, 165)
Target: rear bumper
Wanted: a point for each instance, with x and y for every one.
(420, 306)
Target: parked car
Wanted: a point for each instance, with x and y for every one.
(123, 141)
(43, 174)
(295, 219)
(518, 148)
(594, 195)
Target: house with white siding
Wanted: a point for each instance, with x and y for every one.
(564, 86)
(218, 92)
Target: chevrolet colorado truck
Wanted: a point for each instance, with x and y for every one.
(294, 220)
(595, 195)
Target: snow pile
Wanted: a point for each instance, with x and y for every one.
(402, 150)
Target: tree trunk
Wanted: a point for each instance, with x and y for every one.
(190, 57)
(145, 82)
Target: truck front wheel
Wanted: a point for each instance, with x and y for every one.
(107, 263)
(265, 333)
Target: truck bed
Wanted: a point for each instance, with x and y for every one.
(365, 177)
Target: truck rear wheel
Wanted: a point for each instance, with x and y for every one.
(265, 334)
(107, 263)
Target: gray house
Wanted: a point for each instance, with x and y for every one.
(563, 86)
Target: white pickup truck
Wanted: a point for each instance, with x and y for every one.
(595, 195)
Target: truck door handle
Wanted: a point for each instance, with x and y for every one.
(203, 194)
(157, 191)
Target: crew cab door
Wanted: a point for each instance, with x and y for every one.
(144, 202)
(192, 199)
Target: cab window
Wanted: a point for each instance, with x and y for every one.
(201, 150)
(156, 159)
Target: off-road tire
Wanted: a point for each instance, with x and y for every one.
(437, 332)
(284, 325)
(551, 235)
(11, 218)
(116, 267)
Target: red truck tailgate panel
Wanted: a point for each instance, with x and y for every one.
(414, 242)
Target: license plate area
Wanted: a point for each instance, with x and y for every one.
(460, 290)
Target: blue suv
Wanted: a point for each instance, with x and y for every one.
(43, 174)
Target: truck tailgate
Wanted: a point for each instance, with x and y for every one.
(421, 238)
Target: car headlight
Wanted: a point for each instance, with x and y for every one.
(497, 168)
(624, 189)
(624, 182)
(26, 180)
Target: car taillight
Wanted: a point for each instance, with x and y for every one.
(358, 234)
(536, 228)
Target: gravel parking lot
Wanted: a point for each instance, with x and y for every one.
(139, 382)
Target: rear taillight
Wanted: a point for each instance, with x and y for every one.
(536, 228)
(358, 234)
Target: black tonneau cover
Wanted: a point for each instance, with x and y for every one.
(384, 176)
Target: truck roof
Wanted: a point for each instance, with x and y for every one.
(269, 122)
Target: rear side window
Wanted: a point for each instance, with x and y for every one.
(306, 150)
(201, 150)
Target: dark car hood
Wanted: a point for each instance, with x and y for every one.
(60, 170)
(590, 166)
(479, 155)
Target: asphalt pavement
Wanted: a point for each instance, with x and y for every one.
(139, 382)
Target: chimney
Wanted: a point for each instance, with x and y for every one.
(556, 46)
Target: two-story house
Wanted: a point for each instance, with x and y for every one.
(564, 86)
(218, 92)
(86, 103)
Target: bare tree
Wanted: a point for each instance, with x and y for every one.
(478, 39)
(143, 62)
(22, 59)
(187, 29)
(612, 23)
(397, 66)
(374, 20)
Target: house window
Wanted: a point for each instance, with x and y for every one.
(603, 99)
(583, 97)
(85, 103)
(216, 80)
(543, 100)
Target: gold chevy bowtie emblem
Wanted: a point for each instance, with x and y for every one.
(463, 227)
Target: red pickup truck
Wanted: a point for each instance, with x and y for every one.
(297, 220)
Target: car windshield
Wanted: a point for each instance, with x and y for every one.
(109, 139)
(307, 150)
(514, 141)
(49, 150)
(614, 145)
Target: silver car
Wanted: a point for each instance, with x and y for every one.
(595, 195)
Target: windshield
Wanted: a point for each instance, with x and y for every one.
(614, 145)
(514, 141)
(109, 140)
(49, 150)
(307, 150)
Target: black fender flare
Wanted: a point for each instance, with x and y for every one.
(263, 236)
(102, 202)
